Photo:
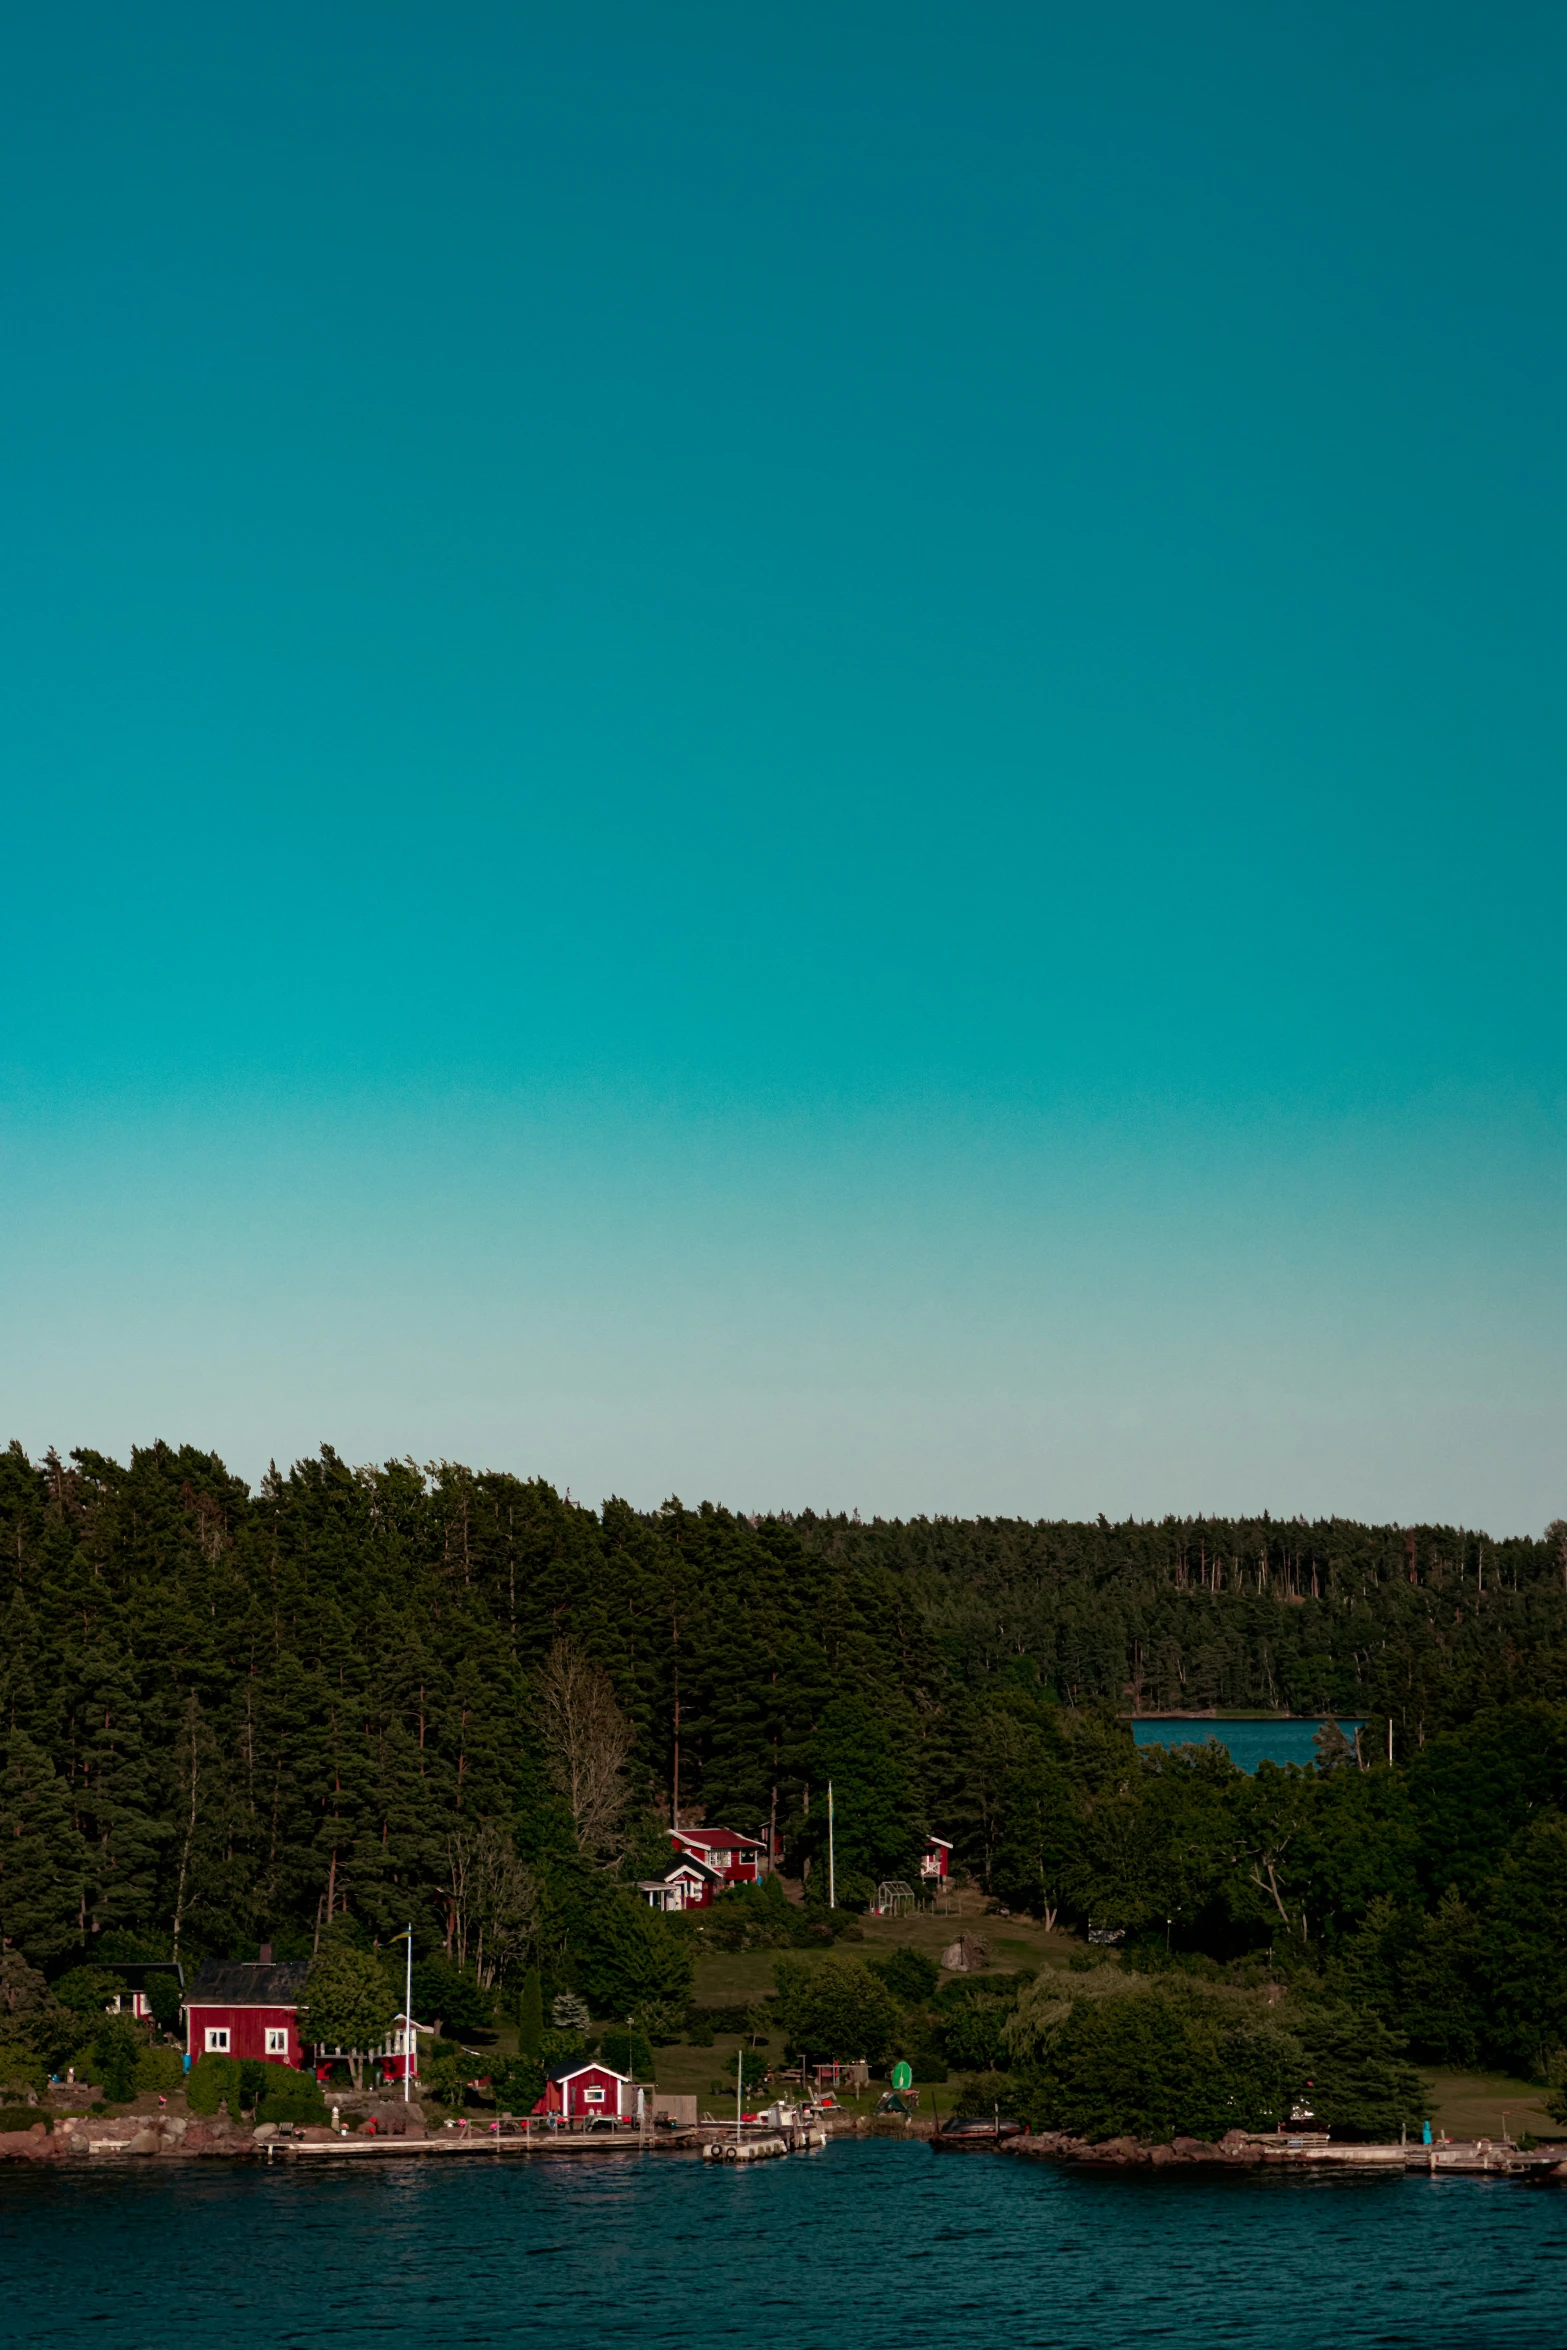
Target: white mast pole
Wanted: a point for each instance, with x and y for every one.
(408, 2016)
(832, 1872)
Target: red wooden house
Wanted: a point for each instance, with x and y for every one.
(582, 2089)
(235, 2008)
(935, 1858)
(735, 1860)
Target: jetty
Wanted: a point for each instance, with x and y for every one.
(1242, 2150)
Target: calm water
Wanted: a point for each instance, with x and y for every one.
(1248, 1743)
(863, 2244)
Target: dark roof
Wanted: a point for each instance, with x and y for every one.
(582, 2064)
(136, 1970)
(233, 1982)
(721, 1839)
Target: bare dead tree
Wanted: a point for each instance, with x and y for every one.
(492, 1901)
(588, 1741)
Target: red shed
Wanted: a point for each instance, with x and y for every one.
(584, 2090)
(735, 1859)
(933, 1861)
(235, 2008)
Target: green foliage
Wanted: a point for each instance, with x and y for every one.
(1160, 2062)
(22, 2069)
(622, 1955)
(863, 1749)
(517, 2083)
(162, 1759)
(88, 1990)
(627, 2051)
(23, 2117)
(835, 2008)
(909, 1974)
(117, 2047)
(159, 2071)
(530, 2013)
(973, 2031)
(210, 2080)
(1356, 2078)
(450, 1996)
(292, 2097)
(1556, 2085)
(348, 2003)
(446, 2072)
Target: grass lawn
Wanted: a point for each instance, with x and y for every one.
(1479, 2105)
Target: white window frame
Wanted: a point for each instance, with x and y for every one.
(594, 2096)
(277, 2040)
(217, 2039)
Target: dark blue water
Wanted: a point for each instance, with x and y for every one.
(1248, 1743)
(866, 2244)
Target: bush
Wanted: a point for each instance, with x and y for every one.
(908, 1974)
(928, 2070)
(118, 2045)
(209, 2081)
(517, 2083)
(159, 2072)
(21, 2069)
(1556, 2084)
(22, 2117)
(294, 2098)
(447, 2072)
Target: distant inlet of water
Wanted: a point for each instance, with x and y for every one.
(875, 2244)
(1247, 1742)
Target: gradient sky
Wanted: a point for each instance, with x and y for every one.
(810, 754)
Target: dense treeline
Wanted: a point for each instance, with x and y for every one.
(358, 1696)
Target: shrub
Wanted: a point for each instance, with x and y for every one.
(447, 2072)
(909, 1974)
(517, 2083)
(117, 2047)
(22, 2117)
(928, 2069)
(296, 2097)
(159, 2071)
(209, 2081)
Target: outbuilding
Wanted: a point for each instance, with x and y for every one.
(585, 2090)
(935, 1859)
(237, 2007)
(684, 1884)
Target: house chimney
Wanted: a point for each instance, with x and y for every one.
(266, 1954)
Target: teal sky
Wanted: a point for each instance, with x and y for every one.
(812, 755)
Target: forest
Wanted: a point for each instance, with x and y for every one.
(355, 1699)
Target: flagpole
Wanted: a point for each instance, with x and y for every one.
(832, 1873)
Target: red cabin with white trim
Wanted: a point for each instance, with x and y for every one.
(582, 2089)
(238, 2009)
(935, 1858)
(734, 1860)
